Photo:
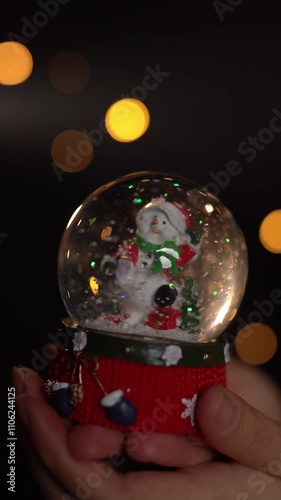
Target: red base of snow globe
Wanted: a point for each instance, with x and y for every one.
(130, 384)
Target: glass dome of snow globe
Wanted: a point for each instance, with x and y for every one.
(153, 255)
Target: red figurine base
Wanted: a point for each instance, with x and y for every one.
(130, 384)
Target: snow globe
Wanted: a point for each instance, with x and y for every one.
(152, 269)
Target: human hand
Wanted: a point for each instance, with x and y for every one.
(254, 444)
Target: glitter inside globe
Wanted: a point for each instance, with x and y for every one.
(153, 255)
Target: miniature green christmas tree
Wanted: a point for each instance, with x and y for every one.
(190, 308)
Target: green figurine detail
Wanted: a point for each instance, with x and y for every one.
(190, 308)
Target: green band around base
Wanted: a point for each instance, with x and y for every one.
(158, 353)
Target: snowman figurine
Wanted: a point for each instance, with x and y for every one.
(164, 229)
(147, 270)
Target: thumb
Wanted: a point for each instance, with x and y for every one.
(239, 431)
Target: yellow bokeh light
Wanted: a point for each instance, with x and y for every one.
(16, 63)
(94, 285)
(256, 343)
(127, 120)
(270, 232)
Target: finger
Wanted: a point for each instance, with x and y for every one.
(256, 387)
(88, 442)
(28, 381)
(178, 451)
(48, 485)
(199, 482)
(99, 482)
(50, 488)
(167, 449)
(49, 437)
(205, 482)
(239, 431)
(85, 441)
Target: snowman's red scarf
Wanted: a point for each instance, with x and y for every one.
(168, 249)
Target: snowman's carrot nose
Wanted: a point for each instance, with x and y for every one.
(155, 222)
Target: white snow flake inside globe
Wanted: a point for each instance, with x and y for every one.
(153, 255)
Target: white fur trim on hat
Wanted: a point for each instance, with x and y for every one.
(174, 214)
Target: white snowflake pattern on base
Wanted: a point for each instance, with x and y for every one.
(172, 355)
(190, 408)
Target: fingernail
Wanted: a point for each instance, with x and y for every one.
(227, 414)
(196, 439)
(18, 377)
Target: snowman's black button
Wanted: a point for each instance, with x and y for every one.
(165, 295)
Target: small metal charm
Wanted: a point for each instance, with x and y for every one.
(48, 387)
(76, 390)
(77, 393)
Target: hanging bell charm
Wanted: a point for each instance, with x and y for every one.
(77, 393)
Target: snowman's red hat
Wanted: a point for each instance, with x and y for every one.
(178, 216)
(185, 213)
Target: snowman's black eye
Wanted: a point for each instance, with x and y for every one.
(164, 222)
(149, 255)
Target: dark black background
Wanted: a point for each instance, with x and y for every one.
(224, 80)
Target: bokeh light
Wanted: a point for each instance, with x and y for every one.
(72, 151)
(256, 343)
(270, 232)
(127, 120)
(94, 285)
(69, 71)
(106, 232)
(16, 63)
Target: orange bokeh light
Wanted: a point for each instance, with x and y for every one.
(16, 63)
(256, 343)
(270, 232)
(72, 151)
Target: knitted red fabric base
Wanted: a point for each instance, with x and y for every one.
(157, 392)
